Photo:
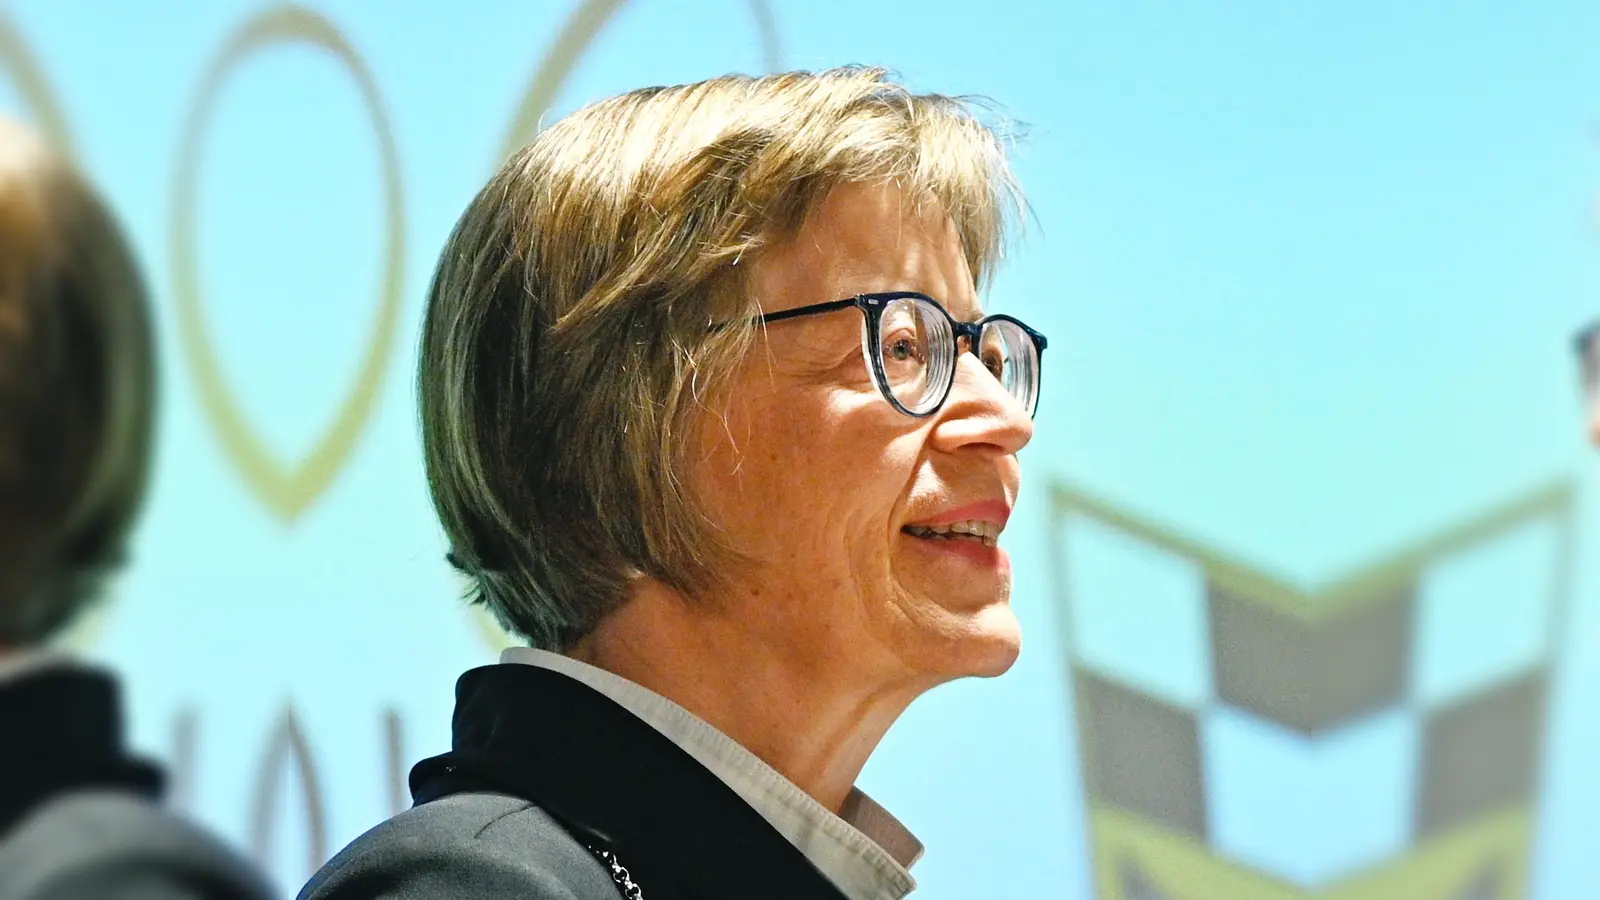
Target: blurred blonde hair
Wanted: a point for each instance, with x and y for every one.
(77, 390)
(569, 340)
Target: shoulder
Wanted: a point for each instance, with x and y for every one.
(469, 846)
(100, 843)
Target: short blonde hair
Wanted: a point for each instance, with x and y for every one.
(77, 390)
(569, 339)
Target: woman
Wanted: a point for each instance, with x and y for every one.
(78, 814)
(714, 420)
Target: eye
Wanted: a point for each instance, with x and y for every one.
(902, 347)
(995, 362)
(993, 352)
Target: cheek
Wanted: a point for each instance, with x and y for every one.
(813, 476)
(752, 472)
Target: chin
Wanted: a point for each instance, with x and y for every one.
(997, 642)
(981, 644)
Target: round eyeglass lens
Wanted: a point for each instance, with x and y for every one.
(914, 343)
(1008, 352)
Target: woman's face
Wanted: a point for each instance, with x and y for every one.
(831, 492)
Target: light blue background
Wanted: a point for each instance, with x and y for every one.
(1308, 270)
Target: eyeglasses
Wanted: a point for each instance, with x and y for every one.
(911, 345)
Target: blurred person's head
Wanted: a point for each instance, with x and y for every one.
(605, 417)
(76, 390)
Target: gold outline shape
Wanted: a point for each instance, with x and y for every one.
(17, 61)
(580, 30)
(570, 45)
(288, 745)
(286, 489)
(394, 746)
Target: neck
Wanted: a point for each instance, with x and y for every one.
(815, 720)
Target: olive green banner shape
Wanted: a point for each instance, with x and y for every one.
(1175, 867)
(1371, 583)
(286, 488)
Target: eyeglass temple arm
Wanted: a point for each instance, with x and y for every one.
(811, 310)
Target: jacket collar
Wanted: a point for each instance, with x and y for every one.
(616, 784)
(863, 849)
(63, 732)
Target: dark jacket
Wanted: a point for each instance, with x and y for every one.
(80, 818)
(549, 777)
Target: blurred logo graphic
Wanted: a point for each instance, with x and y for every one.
(288, 745)
(574, 40)
(1377, 738)
(286, 488)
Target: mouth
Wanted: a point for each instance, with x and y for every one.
(982, 532)
(974, 527)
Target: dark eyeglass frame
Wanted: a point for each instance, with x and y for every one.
(873, 305)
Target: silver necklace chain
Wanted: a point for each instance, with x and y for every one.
(619, 875)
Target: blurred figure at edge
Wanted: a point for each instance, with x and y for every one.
(79, 816)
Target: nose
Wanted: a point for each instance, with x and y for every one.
(980, 414)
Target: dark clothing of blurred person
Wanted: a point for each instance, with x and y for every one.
(79, 815)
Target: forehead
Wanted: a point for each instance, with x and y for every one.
(867, 238)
